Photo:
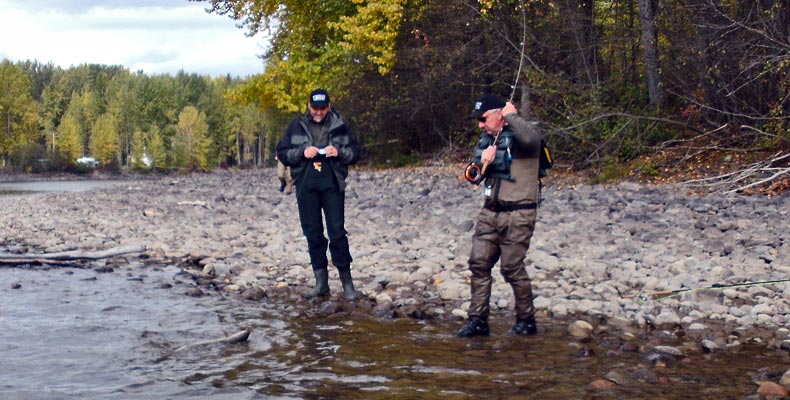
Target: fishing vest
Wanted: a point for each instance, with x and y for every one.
(500, 168)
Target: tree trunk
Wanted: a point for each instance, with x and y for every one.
(647, 17)
(525, 109)
(580, 18)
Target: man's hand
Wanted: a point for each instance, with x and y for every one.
(508, 108)
(331, 151)
(310, 152)
(488, 155)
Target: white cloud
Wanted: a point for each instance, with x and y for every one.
(153, 36)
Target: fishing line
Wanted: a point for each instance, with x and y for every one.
(642, 298)
(474, 173)
(523, 46)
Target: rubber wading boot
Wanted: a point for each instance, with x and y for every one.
(525, 327)
(473, 327)
(321, 284)
(282, 184)
(348, 285)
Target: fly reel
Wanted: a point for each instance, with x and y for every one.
(473, 173)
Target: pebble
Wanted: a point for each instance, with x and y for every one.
(595, 246)
(580, 330)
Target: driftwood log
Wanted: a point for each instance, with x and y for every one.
(63, 257)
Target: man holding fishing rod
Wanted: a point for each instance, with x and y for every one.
(506, 162)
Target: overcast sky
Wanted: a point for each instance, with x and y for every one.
(155, 36)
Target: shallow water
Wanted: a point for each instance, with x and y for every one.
(71, 333)
(41, 187)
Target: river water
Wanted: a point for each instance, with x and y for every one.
(74, 333)
(79, 333)
(41, 187)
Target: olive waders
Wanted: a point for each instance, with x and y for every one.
(502, 236)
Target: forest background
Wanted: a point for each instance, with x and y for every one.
(620, 86)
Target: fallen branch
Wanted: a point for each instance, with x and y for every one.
(784, 171)
(753, 175)
(45, 258)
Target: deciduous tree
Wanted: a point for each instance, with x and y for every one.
(18, 115)
(104, 142)
(67, 143)
(156, 148)
(192, 145)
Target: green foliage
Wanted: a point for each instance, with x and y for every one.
(104, 142)
(123, 105)
(156, 149)
(243, 134)
(372, 31)
(29, 157)
(777, 127)
(139, 151)
(192, 146)
(315, 44)
(67, 142)
(611, 170)
(18, 120)
(405, 75)
(648, 169)
(71, 102)
(82, 168)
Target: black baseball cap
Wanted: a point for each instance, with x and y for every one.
(319, 98)
(486, 103)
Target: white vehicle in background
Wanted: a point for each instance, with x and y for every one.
(147, 160)
(88, 161)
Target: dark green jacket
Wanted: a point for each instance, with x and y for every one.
(297, 138)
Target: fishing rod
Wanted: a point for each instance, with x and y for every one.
(523, 47)
(475, 173)
(643, 298)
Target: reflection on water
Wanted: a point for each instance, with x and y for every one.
(72, 333)
(78, 334)
(368, 359)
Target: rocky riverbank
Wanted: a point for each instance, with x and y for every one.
(600, 253)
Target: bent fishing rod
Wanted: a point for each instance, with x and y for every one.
(475, 173)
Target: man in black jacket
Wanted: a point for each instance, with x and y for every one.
(319, 146)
